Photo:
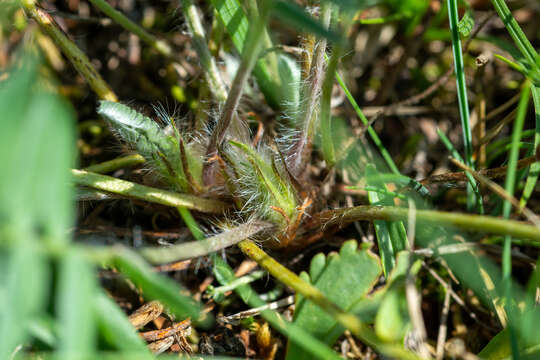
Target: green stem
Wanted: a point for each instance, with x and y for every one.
(469, 222)
(462, 91)
(250, 55)
(146, 193)
(73, 53)
(244, 280)
(208, 64)
(202, 247)
(118, 163)
(351, 322)
(159, 45)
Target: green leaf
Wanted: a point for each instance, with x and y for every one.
(391, 322)
(232, 16)
(344, 278)
(77, 287)
(24, 277)
(115, 327)
(466, 24)
(391, 235)
(152, 142)
(157, 287)
(35, 208)
(296, 16)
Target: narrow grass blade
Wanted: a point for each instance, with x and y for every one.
(534, 170)
(208, 64)
(79, 60)
(132, 27)
(297, 16)
(234, 19)
(511, 311)
(115, 328)
(521, 41)
(462, 91)
(202, 247)
(76, 290)
(472, 182)
(374, 137)
(155, 286)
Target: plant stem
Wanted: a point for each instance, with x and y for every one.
(159, 45)
(351, 322)
(469, 222)
(208, 64)
(462, 91)
(74, 54)
(202, 247)
(250, 55)
(146, 193)
(121, 162)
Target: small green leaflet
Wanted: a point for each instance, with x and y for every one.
(466, 24)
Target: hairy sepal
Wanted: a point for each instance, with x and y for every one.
(264, 190)
(155, 145)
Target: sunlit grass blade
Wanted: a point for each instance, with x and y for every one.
(521, 41)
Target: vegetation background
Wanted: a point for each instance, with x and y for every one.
(269, 179)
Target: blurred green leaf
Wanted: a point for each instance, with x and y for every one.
(74, 308)
(344, 278)
(115, 328)
(391, 322)
(35, 205)
(155, 286)
(466, 24)
(296, 16)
